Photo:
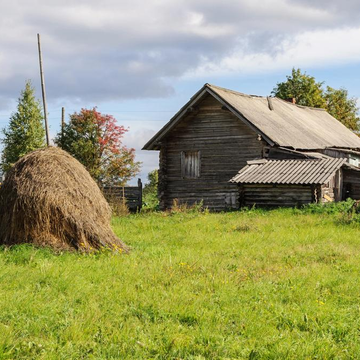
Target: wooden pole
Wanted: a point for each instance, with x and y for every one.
(62, 122)
(140, 194)
(43, 92)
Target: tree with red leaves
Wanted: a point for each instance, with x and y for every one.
(96, 141)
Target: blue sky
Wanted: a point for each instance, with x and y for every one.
(141, 61)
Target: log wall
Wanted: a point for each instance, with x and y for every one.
(131, 194)
(351, 184)
(276, 195)
(225, 144)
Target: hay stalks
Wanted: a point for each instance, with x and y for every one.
(49, 199)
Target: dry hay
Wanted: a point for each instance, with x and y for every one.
(49, 199)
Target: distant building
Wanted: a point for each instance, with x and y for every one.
(229, 149)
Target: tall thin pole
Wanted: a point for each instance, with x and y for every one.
(43, 92)
(62, 122)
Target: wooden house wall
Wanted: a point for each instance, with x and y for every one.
(351, 157)
(274, 153)
(225, 144)
(276, 195)
(351, 186)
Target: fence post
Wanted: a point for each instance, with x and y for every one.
(140, 193)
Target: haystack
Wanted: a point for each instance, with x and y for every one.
(49, 199)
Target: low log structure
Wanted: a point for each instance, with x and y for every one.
(276, 195)
(293, 182)
(131, 195)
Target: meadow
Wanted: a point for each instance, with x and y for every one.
(279, 284)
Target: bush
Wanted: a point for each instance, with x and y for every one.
(177, 207)
(327, 208)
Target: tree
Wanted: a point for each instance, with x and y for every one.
(342, 108)
(308, 92)
(151, 186)
(25, 132)
(303, 88)
(150, 190)
(96, 141)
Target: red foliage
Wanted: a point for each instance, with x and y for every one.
(95, 139)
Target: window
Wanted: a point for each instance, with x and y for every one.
(190, 164)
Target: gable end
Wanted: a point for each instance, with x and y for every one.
(154, 142)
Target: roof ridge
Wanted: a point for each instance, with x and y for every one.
(260, 96)
(299, 106)
(211, 86)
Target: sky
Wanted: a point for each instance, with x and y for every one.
(141, 61)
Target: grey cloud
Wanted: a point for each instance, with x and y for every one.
(346, 12)
(96, 51)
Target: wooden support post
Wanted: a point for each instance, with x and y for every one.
(241, 191)
(319, 194)
(140, 193)
(62, 122)
(43, 92)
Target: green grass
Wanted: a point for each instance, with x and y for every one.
(278, 284)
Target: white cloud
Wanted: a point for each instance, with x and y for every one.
(311, 48)
(149, 159)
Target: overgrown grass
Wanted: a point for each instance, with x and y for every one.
(280, 284)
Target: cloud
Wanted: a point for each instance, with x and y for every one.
(149, 159)
(315, 48)
(112, 50)
(345, 12)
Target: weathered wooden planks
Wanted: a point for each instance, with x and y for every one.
(131, 194)
(351, 187)
(275, 195)
(224, 144)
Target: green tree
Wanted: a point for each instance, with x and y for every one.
(303, 88)
(96, 141)
(150, 190)
(152, 185)
(25, 132)
(308, 92)
(343, 108)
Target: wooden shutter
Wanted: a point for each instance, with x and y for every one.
(190, 164)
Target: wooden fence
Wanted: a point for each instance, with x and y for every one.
(131, 194)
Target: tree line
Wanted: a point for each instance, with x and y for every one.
(94, 139)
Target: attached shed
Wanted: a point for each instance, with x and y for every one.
(293, 182)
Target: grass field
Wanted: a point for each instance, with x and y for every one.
(279, 284)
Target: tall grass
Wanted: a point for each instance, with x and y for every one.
(257, 284)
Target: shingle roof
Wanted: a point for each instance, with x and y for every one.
(278, 121)
(307, 171)
(288, 124)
